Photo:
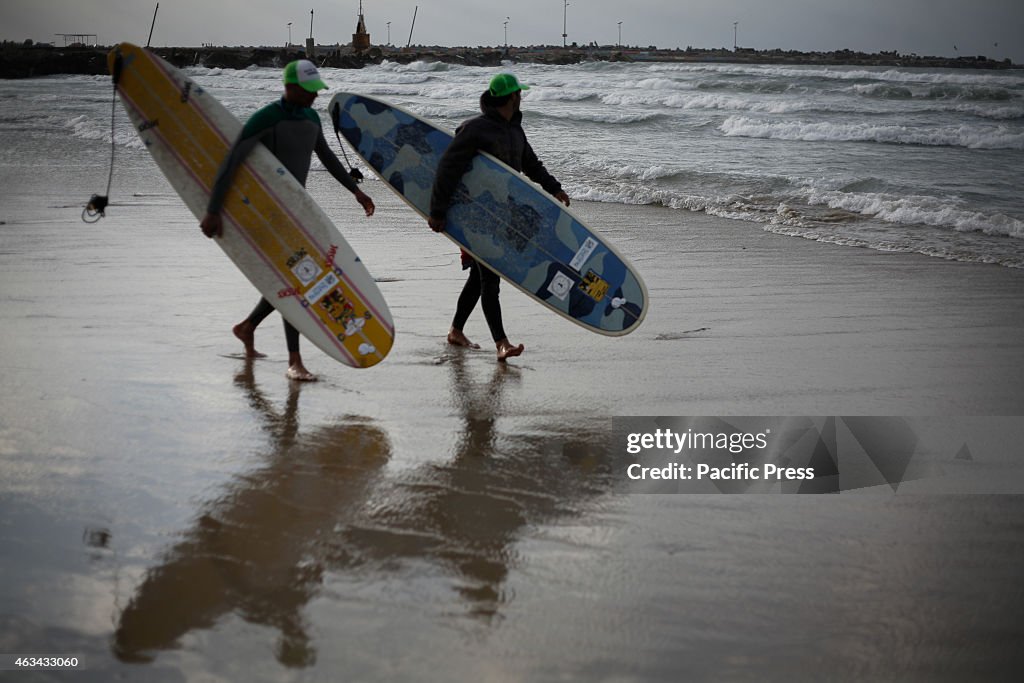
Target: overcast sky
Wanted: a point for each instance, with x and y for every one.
(994, 28)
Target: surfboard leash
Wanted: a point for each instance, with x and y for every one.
(352, 170)
(97, 205)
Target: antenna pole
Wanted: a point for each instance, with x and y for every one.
(151, 26)
(413, 25)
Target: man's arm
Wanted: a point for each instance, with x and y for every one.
(251, 135)
(535, 171)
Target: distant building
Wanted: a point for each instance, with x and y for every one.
(360, 39)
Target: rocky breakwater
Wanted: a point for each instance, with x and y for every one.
(25, 60)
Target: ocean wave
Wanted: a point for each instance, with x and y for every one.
(847, 223)
(765, 104)
(453, 91)
(968, 92)
(442, 112)
(597, 168)
(84, 128)
(906, 244)
(417, 67)
(763, 87)
(559, 95)
(883, 91)
(250, 73)
(959, 100)
(892, 75)
(1007, 113)
(919, 210)
(785, 203)
(601, 117)
(972, 137)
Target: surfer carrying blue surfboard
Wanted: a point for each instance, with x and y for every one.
(291, 130)
(498, 131)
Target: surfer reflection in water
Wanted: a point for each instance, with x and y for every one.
(498, 131)
(291, 130)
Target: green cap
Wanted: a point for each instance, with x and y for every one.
(304, 73)
(505, 84)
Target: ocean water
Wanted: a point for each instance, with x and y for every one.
(909, 160)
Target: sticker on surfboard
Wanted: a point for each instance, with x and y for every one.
(589, 245)
(593, 286)
(560, 285)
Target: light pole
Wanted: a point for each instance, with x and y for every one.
(734, 42)
(389, 33)
(620, 35)
(565, 14)
(289, 35)
(506, 32)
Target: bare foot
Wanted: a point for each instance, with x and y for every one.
(506, 350)
(457, 338)
(247, 335)
(300, 374)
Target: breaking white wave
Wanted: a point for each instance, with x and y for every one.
(417, 67)
(609, 117)
(893, 75)
(85, 128)
(919, 210)
(964, 135)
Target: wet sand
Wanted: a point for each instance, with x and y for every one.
(173, 512)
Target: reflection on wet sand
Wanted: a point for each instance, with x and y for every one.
(253, 550)
(467, 511)
(322, 504)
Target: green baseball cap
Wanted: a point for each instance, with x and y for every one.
(303, 72)
(505, 84)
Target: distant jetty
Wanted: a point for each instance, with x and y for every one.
(26, 60)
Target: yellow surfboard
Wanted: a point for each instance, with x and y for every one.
(275, 233)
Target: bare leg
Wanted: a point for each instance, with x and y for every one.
(246, 333)
(457, 338)
(298, 371)
(507, 350)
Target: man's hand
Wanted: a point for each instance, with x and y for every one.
(562, 197)
(436, 224)
(212, 225)
(365, 201)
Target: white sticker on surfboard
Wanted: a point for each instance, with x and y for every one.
(321, 288)
(560, 286)
(306, 270)
(589, 245)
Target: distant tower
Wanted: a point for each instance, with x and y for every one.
(361, 39)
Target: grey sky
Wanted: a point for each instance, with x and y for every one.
(994, 28)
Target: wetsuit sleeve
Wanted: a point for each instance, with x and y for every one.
(256, 128)
(332, 164)
(450, 169)
(535, 171)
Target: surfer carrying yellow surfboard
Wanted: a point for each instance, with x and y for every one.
(291, 130)
(498, 131)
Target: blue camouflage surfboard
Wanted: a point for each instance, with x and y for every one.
(498, 215)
